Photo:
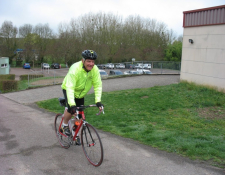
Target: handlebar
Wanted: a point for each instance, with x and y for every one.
(63, 103)
(84, 107)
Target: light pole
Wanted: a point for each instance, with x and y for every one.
(133, 60)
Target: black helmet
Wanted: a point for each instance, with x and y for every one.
(89, 54)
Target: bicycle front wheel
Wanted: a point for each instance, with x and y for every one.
(63, 140)
(92, 145)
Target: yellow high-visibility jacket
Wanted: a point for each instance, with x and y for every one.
(78, 82)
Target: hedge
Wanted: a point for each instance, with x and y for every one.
(8, 85)
(25, 77)
(7, 77)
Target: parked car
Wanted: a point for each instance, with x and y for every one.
(120, 66)
(109, 66)
(55, 66)
(101, 66)
(147, 66)
(147, 72)
(131, 66)
(115, 72)
(45, 66)
(131, 72)
(26, 65)
(138, 66)
(103, 74)
(144, 71)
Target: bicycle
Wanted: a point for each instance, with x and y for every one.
(90, 140)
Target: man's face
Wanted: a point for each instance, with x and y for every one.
(88, 64)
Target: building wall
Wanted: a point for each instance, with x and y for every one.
(203, 62)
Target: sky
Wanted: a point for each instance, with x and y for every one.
(54, 12)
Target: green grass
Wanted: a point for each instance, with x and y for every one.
(22, 85)
(181, 118)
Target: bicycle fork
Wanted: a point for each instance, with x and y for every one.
(85, 130)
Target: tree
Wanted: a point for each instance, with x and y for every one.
(180, 38)
(45, 34)
(31, 44)
(8, 42)
(174, 51)
(113, 38)
(25, 30)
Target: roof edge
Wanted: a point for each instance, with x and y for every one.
(204, 9)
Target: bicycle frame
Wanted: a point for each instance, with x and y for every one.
(77, 129)
(81, 122)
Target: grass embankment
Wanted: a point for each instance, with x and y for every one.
(39, 82)
(181, 118)
(46, 81)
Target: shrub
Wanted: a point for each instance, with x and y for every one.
(7, 77)
(8, 85)
(25, 77)
(19, 63)
(63, 65)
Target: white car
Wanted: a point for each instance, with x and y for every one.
(131, 72)
(138, 66)
(147, 66)
(45, 66)
(103, 74)
(120, 66)
(144, 71)
(109, 66)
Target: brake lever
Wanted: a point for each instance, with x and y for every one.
(101, 111)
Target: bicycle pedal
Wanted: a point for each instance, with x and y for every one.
(70, 139)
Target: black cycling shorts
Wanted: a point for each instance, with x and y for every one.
(78, 101)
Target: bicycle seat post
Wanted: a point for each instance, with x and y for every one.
(77, 114)
(71, 125)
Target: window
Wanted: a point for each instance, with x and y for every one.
(4, 65)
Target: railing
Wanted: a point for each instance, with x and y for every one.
(157, 67)
(46, 77)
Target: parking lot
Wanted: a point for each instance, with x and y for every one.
(55, 91)
(154, 71)
(62, 72)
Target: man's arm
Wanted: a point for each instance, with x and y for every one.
(97, 84)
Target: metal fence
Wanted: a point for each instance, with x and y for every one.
(157, 67)
(44, 77)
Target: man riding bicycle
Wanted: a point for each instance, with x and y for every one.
(76, 84)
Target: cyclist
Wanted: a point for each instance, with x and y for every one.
(76, 84)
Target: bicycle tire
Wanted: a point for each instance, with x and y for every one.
(92, 145)
(63, 141)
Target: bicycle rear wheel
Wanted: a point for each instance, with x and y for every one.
(92, 145)
(63, 140)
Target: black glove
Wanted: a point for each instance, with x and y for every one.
(99, 104)
(73, 110)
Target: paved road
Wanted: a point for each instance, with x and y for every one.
(145, 81)
(28, 144)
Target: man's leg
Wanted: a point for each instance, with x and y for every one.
(67, 116)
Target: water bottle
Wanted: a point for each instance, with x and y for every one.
(77, 123)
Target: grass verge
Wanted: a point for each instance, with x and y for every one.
(181, 118)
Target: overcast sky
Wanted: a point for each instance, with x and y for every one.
(53, 12)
